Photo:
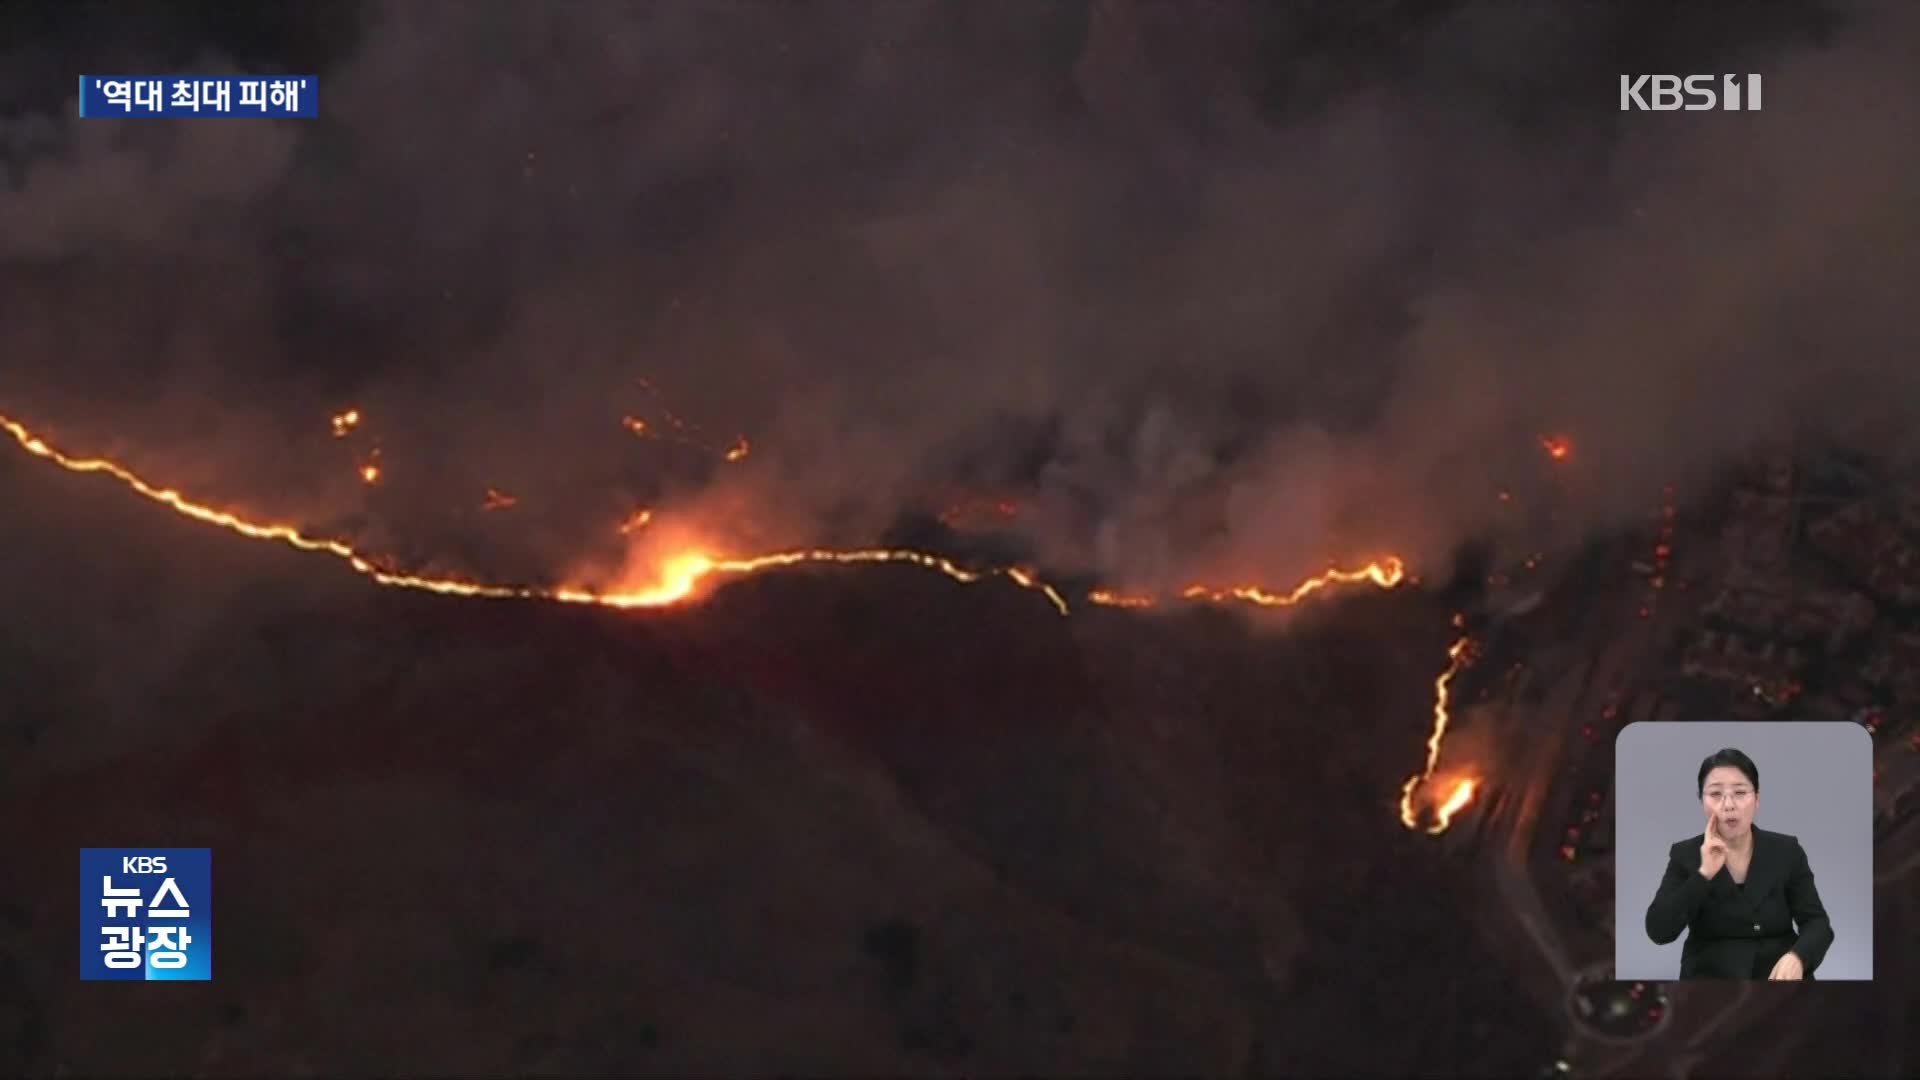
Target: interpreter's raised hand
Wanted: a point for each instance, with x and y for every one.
(1713, 850)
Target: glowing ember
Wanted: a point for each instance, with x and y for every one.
(370, 473)
(683, 434)
(669, 427)
(635, 521)
(1558, 447)
(1109, 598)
(344, 423)
(974, 509)
(498, 500)
(977, 512)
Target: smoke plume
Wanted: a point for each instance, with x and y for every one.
(1221, 295)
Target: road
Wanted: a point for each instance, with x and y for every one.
(1517, 836)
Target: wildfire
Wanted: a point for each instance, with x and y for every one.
(682, 575)
(1558, 447)
(344, 423)
(1443, 814)
(1026, 580)
(673, 429)
(498, 500)
(679, 431)
(1386, 573)
(937, 563)
(1463, 790)
(678, 579)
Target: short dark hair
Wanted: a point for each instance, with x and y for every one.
(1733, 759)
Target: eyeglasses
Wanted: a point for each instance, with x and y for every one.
(1737, 795)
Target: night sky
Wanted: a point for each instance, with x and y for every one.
(1217, 291)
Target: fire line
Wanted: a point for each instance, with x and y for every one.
(1463, 791)
(681, 575)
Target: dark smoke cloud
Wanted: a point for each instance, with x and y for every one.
(1215, 295)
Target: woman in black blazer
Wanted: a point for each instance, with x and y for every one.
(1744, 895)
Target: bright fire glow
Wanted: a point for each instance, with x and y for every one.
(1386, 573)
(678, 579)
(1443, 814)
(344, 423)
(681, 576)
(672, 429)
(1463, 791)
(636, 521)
(1558, 447)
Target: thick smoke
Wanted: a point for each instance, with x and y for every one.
(1215, 296)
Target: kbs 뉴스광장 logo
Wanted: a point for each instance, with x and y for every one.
(146, 913)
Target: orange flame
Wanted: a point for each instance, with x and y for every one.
(1558, 447)
(639, 519)
(678, 578)
(1443, 815)
(1463, 791)
(369, 469)
(681, 575)
(1386, 573)
(498, 500)
(1026, 580)
(680, 431)
(344, 423)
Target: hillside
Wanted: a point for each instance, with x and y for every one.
(886, 822)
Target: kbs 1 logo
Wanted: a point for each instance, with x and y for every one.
(1694, 93)
(146, 913)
